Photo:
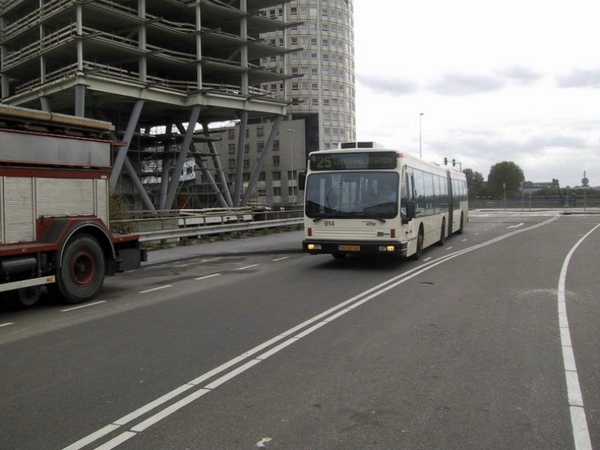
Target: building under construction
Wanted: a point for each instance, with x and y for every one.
(151, 67)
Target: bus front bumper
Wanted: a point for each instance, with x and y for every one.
(316, 247)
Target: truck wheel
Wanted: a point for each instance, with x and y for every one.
(82, 269)
(29, 296)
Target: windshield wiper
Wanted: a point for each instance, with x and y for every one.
(348, 215)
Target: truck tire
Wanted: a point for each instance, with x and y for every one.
(82, 269)
(29, 296)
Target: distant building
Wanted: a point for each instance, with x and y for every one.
(530, 186)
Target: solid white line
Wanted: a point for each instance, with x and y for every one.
(116, 441)
(92, 437)
(208, 276)
(6, 324)
(581, 435)
(87, 305)
(170, 410)
(156, 288)
(247, 267)
(317, 322)
(150, 406)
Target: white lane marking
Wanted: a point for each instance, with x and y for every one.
(449, 248)
(156, 288)
(581, 435)
(6, 324)
(315, 323)
(464, 240)
(87, 305)
(517, 225)
(427, 259)
(116, 441)
(92, 437)
(280, 259)
(208, 276)
(247, 267)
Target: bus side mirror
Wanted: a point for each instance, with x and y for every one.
(301, 180)
(411, 209)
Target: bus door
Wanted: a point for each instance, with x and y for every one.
(450, 202)
(407, 200)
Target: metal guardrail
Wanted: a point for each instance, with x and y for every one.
(205, 230)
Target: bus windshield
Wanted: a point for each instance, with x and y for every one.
(352, 194)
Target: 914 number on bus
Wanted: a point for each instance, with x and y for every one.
(329, 223)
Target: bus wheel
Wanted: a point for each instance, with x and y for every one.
(460, 227)
(29, 296)
(82, 270)
(417, 255)
(442, 233)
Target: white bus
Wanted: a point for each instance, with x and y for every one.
(363, 199)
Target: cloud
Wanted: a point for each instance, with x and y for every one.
(580, 79)
(384, 85)
(519, 75)
(460, 85)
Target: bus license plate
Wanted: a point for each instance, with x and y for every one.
(350, 248)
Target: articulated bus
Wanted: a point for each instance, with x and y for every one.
(363, 199)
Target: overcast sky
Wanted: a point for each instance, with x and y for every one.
(510, 80)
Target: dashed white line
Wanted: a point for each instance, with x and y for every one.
(247, 267)
(208, 276)
(280, 259)
(156, 289)
(87, 305)
(6, 324)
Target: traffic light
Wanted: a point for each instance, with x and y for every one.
(445, 161)
(453, 162)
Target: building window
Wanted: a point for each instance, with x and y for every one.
(276, 160)
(231, 133)
(260, 131)
(260, 146)
(275, 145)
(276, 176)
(277, 191)
(232, 163)
(231, 148)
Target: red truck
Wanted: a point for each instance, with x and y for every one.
(54, 207)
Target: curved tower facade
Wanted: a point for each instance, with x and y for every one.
(320, 38)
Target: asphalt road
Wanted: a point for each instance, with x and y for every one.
(489, 342)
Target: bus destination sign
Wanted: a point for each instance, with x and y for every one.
(354, 161)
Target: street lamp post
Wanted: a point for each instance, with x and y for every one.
(291, 131)
(420, 137)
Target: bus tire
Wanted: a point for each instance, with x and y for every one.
(462, 223)
(442, 233)
(417, 255)
(82, 269)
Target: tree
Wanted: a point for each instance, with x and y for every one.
(475, 183)
(505, 174)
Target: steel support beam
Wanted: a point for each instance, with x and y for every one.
(237, 190)
(122, 153)
(261, 161)
(185, 147)
(224, 188)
